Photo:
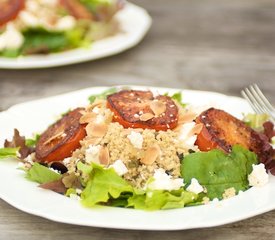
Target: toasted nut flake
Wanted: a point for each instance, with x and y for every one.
(104, 157)
(187, 117)
(158, 107)
(197, 129)
(87, 117)
(146, 116)
(151, 155)
(92, 141)
(97, 103)
(96, 129)
(58, 135)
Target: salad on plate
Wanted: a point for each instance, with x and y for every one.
(48, 26)
(149, 151)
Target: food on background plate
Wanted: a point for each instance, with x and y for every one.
(145, 150)
(48, 26)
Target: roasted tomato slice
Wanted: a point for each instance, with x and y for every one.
(77, 9)
(61, 138)
(9, 10)
(140, 109)
(222, 130)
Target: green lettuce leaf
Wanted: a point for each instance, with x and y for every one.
(178, 96)
(103, 185)
(106, 186)
(8, 152)
(41, 174)
(256, 121)
(31, 142)
(161, 199)
(218, 171)
(102, 95)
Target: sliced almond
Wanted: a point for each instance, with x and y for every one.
(151, 155)
(96, 130)
(146, 116)
(87, 117)
(97, 103)
(197, 128)
(104, 157)
(92, 141)
(58, 135)
(158, 107)
(187, 117)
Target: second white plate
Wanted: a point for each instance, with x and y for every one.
(134, 22)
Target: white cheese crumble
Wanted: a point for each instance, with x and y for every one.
(54, 170)
(96, 110)
(195, 187)
(29, 19)
(185, 136)
(119, 167)
(65, 23)
(92, 154)
(75, 197)
(11, 38)
(99, 119)
(258, 177)
(136, 139)
(67, 161)
(163, 181)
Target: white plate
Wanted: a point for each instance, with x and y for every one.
(134, 22)
(25, 195)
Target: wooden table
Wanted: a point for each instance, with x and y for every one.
(215, 45)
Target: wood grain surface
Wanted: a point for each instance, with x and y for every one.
(214, 45)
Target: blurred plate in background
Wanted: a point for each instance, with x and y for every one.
(134, 23)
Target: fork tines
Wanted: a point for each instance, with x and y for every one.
(258, 101)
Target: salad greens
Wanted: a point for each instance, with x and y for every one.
(106, 186)
(218, 171)
(44, 41)
(8, 152)
(102, 95)
(41, 174)
(256, 121)
(31, 142)
(102, 185)
(178, 96)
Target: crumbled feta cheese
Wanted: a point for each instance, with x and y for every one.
(99, 119)
(92, 154)
(96, 110)
(65, 23)
(185, 136)
(195, 187)
(54, 170)
(74, 197)
(119, 167)
(163, 181)
(136, 139)
(29, 19)
(11, 38)
(29, 159)
(258, 177)
(78, 191)
(67, 161)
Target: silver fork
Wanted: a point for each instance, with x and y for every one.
(258, 101)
